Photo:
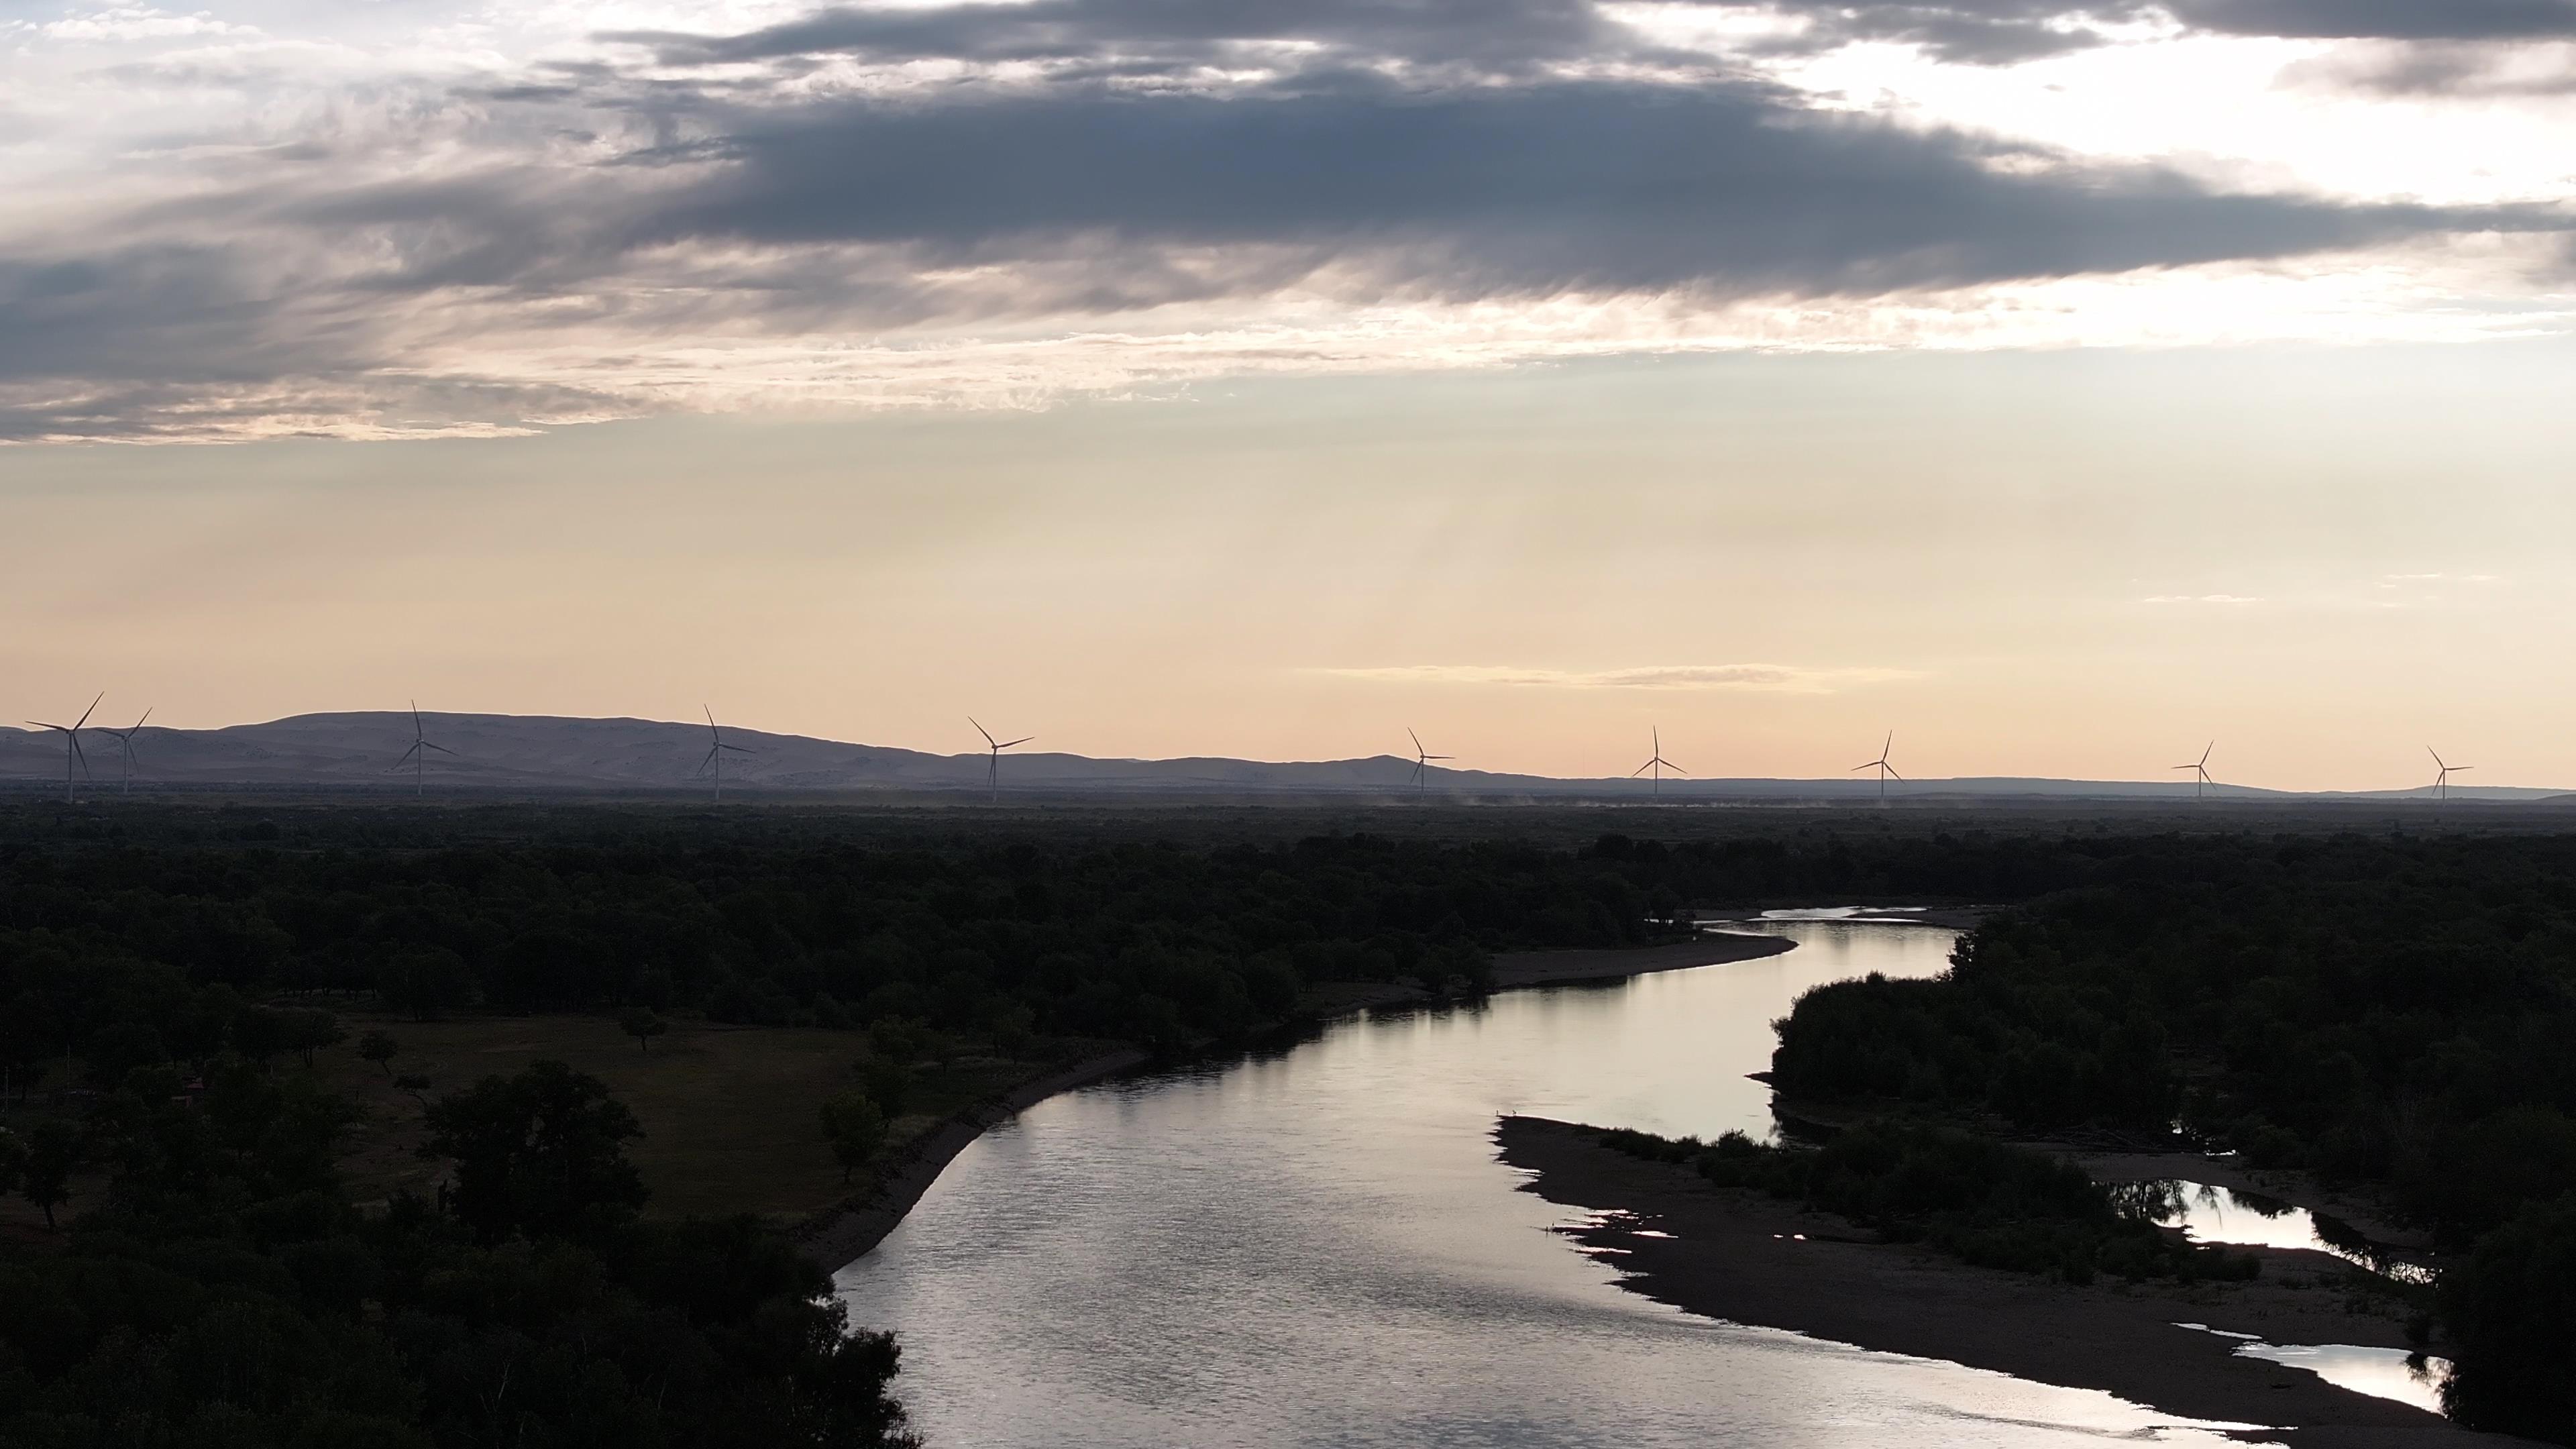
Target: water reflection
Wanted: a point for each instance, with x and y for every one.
(2209, 1213)
(1318, 1247)
(2387, 1373)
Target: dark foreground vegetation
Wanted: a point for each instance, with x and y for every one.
(223, 1293)
(1984, 1202)
(2390, 1013)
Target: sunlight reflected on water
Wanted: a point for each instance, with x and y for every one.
(1318, 1247)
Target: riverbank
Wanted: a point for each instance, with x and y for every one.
(1742, 1257)
(1514, 970)
(852, 1227)
(849, 1228)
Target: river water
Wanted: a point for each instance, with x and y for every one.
(1317, 1247)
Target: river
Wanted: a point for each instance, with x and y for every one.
(1317, 1247)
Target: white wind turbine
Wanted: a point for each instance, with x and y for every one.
(1884, 769)
(1657, 763)
(2201, 775)
(125, 743)
(418, 755)
(717, 749)
(2442, 781)
(1422, 759)
(71, 743)
(993, 771)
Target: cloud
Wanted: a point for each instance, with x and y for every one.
(2382, 19)
(999, 204)
(1776, 678)
(2229, 600)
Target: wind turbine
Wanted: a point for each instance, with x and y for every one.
(2442, 781)
(2201, 768)
(717, 749)
(1658, 764)
(993, 772)
(1881, 765)
(1422, 759)
(71, 741)
(125, 742)
(418, 755)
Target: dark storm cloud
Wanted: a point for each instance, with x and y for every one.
(1519, 190)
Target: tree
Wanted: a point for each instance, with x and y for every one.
(308, 1031)
(641, 1024)
(539, 1154)
(46, 1177)
(380, 1048)
(854, 1127)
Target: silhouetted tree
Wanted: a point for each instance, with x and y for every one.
(855, 1128)
(538, 1154)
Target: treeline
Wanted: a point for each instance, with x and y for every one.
(224, 1293)
(173, 937)
(2384, 1011)
(1982, 1201)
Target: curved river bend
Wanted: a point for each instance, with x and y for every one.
(1319, 1248)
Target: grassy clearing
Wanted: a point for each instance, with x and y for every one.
(730, 1113)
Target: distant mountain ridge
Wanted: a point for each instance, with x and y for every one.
(359, 750)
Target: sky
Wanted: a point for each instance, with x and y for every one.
(2060, 388)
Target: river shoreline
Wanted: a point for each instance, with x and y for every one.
(1738, 1257)
(851, 1229)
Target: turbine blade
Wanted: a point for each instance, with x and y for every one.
(93, 709)
(1676, 769)
(2436, 754)
(1891, 770)
(709, 760)
(147, 714)
(444, 750)
(407, 754)
(40, 724)
(1872, 765)
(2204, 754)
(1022, 740)
(1417, 739)
(738, 749)
(79, 754)
(1641, 769)
(987, 734)
(415, 717)
(711, 722)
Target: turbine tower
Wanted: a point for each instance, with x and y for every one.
(717, 749)
(125, 742)
(2442, 781)
(993, 771)
(418, 755)
(1657, 763)
(71, 741)
(2201, 775)
(1884, 769)
(1422, 759)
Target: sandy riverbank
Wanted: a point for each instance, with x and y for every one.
(849, 1229)
(1733, 1256)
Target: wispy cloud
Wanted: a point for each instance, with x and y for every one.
(2221, 599)
(1776, 678)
